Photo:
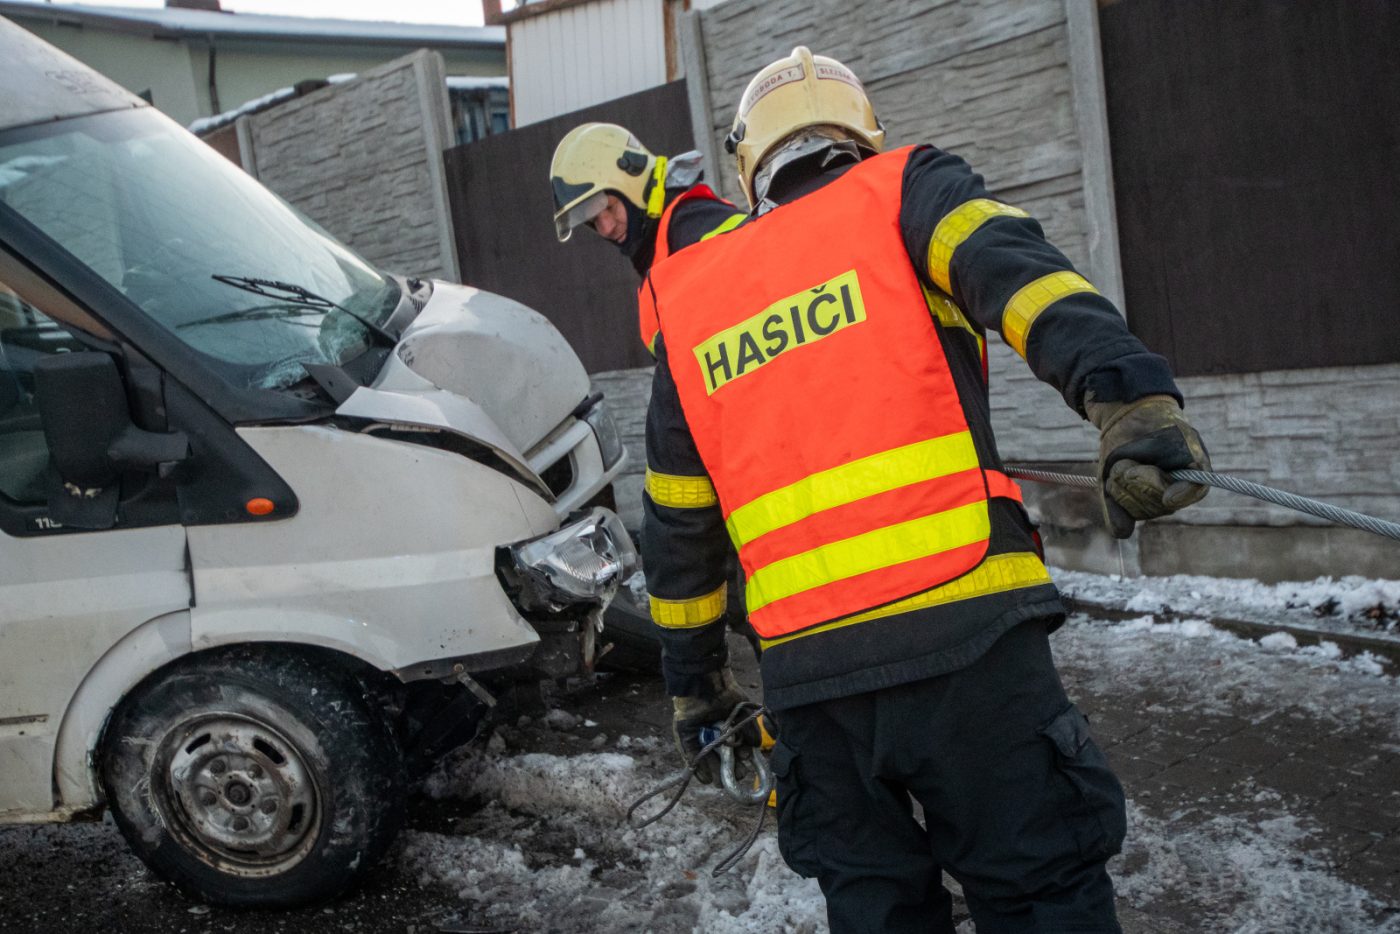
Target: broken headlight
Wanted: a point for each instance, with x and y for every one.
(583, 562)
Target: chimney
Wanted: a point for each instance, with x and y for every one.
(210, 5)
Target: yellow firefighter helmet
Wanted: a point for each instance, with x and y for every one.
(801, 90)
(594, 159)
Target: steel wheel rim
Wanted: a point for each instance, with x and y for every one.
(238, 793)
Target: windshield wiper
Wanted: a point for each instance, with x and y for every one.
(294, 309)
(290, 292)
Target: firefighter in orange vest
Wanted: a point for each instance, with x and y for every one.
(601, 175)
(820, 402)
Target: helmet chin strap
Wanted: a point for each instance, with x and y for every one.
(807, 152)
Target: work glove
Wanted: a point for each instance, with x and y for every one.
(1139, 442)
(691, 714)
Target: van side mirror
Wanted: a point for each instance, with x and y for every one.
(87, 424)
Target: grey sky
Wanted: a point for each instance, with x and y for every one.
(453, 12)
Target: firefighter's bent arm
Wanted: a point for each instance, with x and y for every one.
(685, 547)
(994, 261)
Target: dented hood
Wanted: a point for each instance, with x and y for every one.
(502, 359)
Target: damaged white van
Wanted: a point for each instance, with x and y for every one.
(273, 524)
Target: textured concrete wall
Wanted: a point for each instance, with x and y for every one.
(364, 160)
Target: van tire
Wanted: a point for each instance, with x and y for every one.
(628, 629)
(254, 776)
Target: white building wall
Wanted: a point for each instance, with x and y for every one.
(587, 54)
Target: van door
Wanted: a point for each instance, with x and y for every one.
(66, 597)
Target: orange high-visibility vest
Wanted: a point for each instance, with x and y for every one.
(647, 316)
(820, 400)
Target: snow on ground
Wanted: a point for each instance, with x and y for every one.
(1246, 867)
(545, 846)
(1192, 665)
(1344, 605)
(551, 850)
(1238, 875)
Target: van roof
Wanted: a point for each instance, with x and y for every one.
(39, 83)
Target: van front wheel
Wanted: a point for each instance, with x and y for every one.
(254, 777)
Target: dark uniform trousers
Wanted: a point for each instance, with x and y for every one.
(1019, 804)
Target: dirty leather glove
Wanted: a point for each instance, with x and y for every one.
(1139, 442)
(691, 714)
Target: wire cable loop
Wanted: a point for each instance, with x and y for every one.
(740, 717)
(1334, 514)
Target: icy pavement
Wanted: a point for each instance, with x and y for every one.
(1263, 779)
(1343, 606)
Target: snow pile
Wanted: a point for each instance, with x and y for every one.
(551, 850)
(1345, 604)
(1242, 875)
(1196, 666)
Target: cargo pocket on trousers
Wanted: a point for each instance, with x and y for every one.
(1094, 807)
(795, 839)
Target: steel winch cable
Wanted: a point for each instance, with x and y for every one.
(1312, 507)
(741, 717)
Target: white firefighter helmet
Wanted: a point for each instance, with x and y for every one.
(596, 158)
(799, 91)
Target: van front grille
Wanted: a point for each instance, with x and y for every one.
(559, 476)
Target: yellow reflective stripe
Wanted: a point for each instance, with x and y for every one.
(947, 311)
(950, 315)
(726, 225)
(955, 227)
(1027, 304)
(878, 473)
(680, 492)
(690, 614)
(656, 201)
(997, 574)
(870, 551)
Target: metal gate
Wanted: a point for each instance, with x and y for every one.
(1254, 150)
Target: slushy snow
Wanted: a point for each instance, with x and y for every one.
(548, 848)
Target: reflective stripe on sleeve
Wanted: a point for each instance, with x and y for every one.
(868, 476)
(1027, 304)
(871, 551)
(690, 614)
(955, 227)
(726, 225)
(680, 492)
(997, 574)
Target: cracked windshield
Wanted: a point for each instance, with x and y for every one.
(158, 215)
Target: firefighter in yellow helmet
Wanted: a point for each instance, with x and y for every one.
(821, 401)
(603, 177)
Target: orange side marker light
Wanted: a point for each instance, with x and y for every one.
(260, 506)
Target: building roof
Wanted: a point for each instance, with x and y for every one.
(181, 23)
(478, 83)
